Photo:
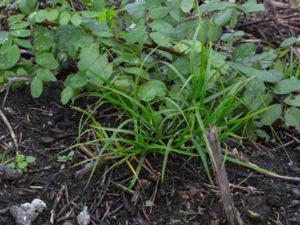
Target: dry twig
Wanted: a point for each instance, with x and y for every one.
(232, 214)
(9, 127)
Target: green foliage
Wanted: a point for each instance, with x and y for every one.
(103, 41)
(22, 162)
(153, 61)
(66, 158)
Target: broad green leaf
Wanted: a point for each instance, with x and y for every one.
(234, 19)
(23, 43)
(15, 19)
(12, 165)
(136, 35)
(41, 16)
(64, 18)
(97, 28)
(263, 134)
(20, 25)
(161, 39)
(223, 17)
(87, 57)
(95, 66)
(232, 36)
(153, 4)
(21, 71)
(100, 70)
(30, 159)
(125, 85)
(20, 158)
(244, 50)
(78, 80)
(176, 14)
(70, 39)
(3, 37)
(215, 5)
(264, 59)
(67, 95)
(136, 10)
(292, 100)
(89, 14)
(98, 5)
(137, 71)
(9, 56)
(255, 95)
(45, 75)
(185, 30)
(36, 87)
(251, 6)
(27, 6)
(158, 13)
(76, 20)
(213, 32)
(265, 75)
(43, 43)
(288, 42)
(52, 15)
(292, 118)
(22, 165)
(186, 5)
(152, 89)
(47, 60)
(162, 27)
(271, 115)
(287, 86)
(20, 33)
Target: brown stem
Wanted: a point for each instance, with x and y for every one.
(232, 214)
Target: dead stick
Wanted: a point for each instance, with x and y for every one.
(11, 131)
(232, 215)
(55, 204)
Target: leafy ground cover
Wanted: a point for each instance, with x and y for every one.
(149, 79)
(185, 197)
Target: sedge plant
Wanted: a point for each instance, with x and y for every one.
(172, 124)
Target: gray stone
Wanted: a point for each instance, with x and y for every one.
(84, 217)
(26, 213)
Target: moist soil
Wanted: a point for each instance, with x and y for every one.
(44, 128)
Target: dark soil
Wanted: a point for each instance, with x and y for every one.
(44, 128)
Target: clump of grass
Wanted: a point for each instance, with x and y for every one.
(173, 124)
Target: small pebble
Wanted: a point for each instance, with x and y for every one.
(39, 205)
(47, 140)
(84, 217)
(26, 213)
(296, 193)
(67, 223)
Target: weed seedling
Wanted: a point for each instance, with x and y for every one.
(66, 158)
(22, 162)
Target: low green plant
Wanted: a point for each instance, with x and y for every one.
(45, 39)
(22, 162)
(169, 119)
(66, 158)
(153, 62)
(275, 84)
